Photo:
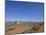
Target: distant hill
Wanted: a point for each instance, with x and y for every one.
(22, 22)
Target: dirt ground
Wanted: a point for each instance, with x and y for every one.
(24, 28)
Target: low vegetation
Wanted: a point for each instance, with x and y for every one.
(35, 28)
(24, 28)
(11, 29)
(29, 25)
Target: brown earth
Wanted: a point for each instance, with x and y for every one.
(23, 28)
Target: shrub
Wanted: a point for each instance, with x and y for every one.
(35, 29)
(11, 29)
(29, 25)
(40, 24)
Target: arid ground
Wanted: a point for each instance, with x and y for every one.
(24, 27)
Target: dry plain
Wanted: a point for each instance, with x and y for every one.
(24, 27)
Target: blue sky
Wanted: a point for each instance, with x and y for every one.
(24, 11)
